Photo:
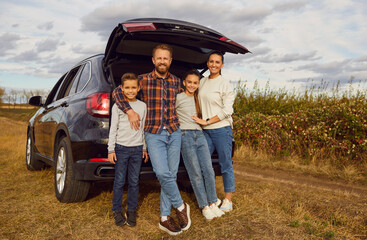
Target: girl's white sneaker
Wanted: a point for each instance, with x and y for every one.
(208, 214)
(216, 210)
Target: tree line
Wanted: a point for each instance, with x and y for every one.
(13, 97)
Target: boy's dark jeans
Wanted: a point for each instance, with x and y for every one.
(128, 163)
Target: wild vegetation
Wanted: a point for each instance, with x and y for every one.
(317, 126)
(2, 92)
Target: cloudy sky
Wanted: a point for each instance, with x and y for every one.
(293, 42)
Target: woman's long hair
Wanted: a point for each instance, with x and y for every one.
(196, 98)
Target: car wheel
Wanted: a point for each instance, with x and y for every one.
(67, 188)
(31, 162)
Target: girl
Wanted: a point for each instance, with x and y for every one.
(194, 148)
(216, 98)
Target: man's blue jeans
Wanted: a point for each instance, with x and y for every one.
(128, 163)
(198, 163)
(164, 154)
(221, 139)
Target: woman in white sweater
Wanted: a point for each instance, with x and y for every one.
(216, 98)
(194, 148)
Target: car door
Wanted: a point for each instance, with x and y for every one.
(76, 109)
(54, 113)
(39, 141)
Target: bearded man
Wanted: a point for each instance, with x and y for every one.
(159, 89)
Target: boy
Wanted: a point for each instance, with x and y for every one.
(126, 148)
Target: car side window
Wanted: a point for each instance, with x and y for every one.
(73, 78)
(72, 86)
(84, 77)
(67, 83)
(51, 96)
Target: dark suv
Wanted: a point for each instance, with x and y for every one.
(70, 129)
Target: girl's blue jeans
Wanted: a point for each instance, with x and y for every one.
(198, 163)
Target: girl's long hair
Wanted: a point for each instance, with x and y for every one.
(196, 98)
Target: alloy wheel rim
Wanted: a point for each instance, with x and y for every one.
(28, 158)
(61, 170)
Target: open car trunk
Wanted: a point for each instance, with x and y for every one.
(129, 48)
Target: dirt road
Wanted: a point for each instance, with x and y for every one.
(300, 181)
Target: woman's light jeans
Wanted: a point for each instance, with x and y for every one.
(221, 139)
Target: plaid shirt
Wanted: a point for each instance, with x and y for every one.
(160, 96)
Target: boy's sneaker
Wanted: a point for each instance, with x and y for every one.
(208, 214)
(119, 218)
(218, 202)
(131, 218)
(169, 226)
(226, 206)
(183, 216)
(216, 210)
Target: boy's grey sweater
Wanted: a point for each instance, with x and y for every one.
(120, 130)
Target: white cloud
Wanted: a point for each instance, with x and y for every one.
(48, 45)
(289, 40)
(46, 26)
(26, 56)
(8, 41)
(289, 6)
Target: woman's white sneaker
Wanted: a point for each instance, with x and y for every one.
(208, 214)
(218, 202)
(226, 206)
(216, 210)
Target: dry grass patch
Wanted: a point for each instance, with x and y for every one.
(257, 158)
(262, 209)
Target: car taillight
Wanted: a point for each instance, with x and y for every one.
(98, 105)
(98, 159)
(130, 27)
(224, 39)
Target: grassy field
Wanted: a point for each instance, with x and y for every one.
(20, 114)
(268, 203)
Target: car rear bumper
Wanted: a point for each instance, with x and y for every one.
(85, 170)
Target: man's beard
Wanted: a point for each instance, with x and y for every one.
(162, 72)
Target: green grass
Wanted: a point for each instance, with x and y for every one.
(20, 114)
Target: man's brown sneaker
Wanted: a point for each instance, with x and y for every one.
(169, 226)
(183, 216)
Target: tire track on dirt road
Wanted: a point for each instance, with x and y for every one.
(309, 182)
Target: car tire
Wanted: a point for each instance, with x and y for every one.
(67, 188)
(32, 163)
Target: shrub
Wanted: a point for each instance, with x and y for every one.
(313, 126)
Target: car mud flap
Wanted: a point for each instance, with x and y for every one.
(78, 169)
